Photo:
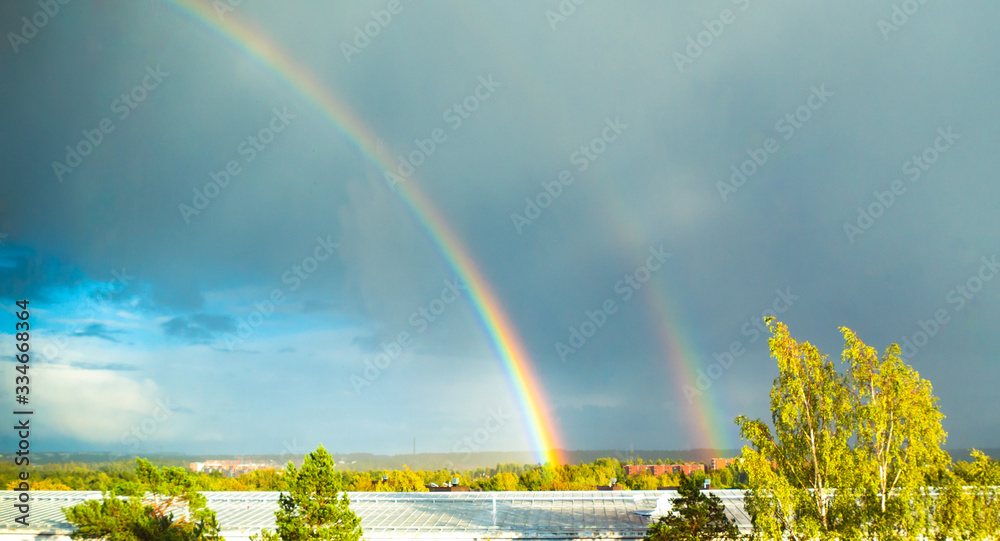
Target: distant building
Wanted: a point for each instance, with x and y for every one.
(719, 463)
(229, 468)
(657, 470)
(447, 488)
(453, 486)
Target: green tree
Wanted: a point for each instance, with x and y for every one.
(402, 481)
(315, 507)
(532, 479)
(968, 501)
(644, 481)
(44, 484)
(809, 450)
(851, 454)
(143, 509)
(269, 479)
(503, 481)
(898, 437)
(695, 516)
(727, 477)
(982, 471)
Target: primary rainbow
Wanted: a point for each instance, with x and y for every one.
(534, 410)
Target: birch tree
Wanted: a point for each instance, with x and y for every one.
(793, 473)
(851, 454)
(898, 436)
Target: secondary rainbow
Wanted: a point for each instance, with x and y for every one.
(704, 425)
(534, 410)
(701, 412)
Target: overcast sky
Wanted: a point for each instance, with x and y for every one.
(836, 163)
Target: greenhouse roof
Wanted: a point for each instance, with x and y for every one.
(419, 515)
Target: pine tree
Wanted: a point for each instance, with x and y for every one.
(148, 511)
(695, 517)
(315, 507)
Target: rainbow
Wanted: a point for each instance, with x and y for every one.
(704, 423)
(534, 410)
(702, 417)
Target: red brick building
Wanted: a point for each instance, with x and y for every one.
(719, 463)
(660, 469)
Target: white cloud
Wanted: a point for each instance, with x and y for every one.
(91, 405)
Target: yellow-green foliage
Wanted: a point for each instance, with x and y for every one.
(501, 477)
(857, 455)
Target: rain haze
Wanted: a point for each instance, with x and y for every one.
(250, 223)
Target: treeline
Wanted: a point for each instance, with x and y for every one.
(858, 453)
(587, 476)
(418, 461)
(84, 476)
